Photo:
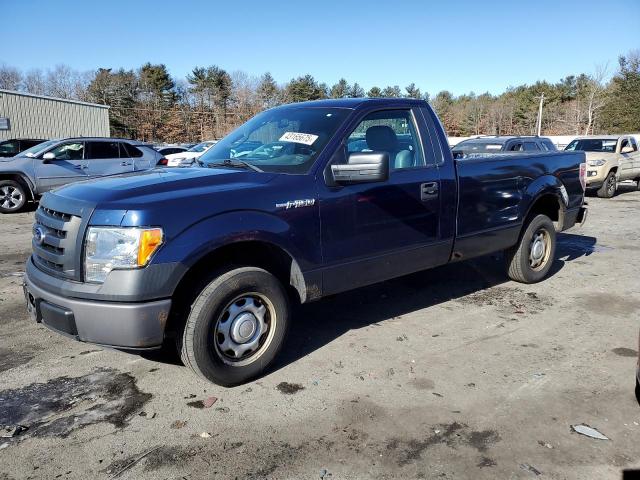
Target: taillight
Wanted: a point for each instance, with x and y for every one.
(583, 176)
(163, 161)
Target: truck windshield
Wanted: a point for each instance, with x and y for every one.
(593, 145)
(285, 139)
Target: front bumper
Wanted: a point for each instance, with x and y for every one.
(135, 326)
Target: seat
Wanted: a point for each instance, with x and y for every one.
(382, 138)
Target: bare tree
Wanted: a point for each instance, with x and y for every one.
(10, 77)
(596, 95)
(34, 82)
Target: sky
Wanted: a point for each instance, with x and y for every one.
(460, 46)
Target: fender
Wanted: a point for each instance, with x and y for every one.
(203, 238)
(26, 180)
(544, 185)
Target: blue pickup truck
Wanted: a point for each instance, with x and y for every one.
(328, 196)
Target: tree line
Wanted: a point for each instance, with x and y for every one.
(149, 104)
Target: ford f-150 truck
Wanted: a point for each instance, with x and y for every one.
(331, 195)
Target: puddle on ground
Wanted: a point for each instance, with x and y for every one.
(64, 404)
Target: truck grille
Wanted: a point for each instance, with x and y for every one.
(54, 242)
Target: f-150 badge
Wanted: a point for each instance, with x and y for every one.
(305, 202)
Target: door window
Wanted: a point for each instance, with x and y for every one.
(634, 145)
(625, 143)
(531, 146)
(391, 131)
(99, 150)
(132, 152)
(69, 151)
(9, 148)
(516, 147)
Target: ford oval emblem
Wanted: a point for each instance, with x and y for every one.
(39, 234)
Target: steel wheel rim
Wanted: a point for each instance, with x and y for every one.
(611, 184)
(11, 198)
(244, 329)
(539, 249)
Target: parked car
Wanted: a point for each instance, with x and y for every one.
(55, 163)
(610, 159)
(489, 145)
(187, 158)
(213, 256)
(12, 147)
(170, 149)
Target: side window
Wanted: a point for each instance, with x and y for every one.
(132, 152)
(531, 146)
(69, 151)
(624, 143)
(392, 131)
(9, 148)
(99, 150)
(516, 147)
(634, 145)
(547, 144)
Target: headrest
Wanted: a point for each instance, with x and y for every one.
(381, 137)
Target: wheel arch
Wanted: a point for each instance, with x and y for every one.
(22, 180)
(257, 253)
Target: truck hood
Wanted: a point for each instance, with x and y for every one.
(136, 190)
(600, 156)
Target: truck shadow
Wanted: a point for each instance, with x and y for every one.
(318, 324)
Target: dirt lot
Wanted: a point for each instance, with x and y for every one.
(452, 373)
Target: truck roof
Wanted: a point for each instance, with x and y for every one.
(353, 103)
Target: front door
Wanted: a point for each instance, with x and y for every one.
(68, 165)
(375, 231)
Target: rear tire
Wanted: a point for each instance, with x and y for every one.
(13, 196)
(609, 187)
(236, 326)
(531, 259)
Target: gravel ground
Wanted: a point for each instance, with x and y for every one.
(454, 373)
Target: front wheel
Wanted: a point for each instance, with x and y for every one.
(236, 326)
(608, 188)
(12, 196)
(531, 259)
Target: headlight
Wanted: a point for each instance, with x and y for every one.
(596, 163)
(107, 249)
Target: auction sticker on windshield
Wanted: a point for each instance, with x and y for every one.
(304, 138)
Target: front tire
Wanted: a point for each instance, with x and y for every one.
(236, 326)
(609, 187)
(531, 259)
(13, 196)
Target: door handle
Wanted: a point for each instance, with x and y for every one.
(125, 164)
(428, 190)
(80, 167)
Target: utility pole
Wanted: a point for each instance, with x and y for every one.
(539, 122)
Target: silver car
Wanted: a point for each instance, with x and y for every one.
(54, 163)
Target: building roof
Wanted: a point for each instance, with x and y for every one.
(44, 97)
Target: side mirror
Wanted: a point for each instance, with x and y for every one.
(47, 157)
(362, 167)
(627, 149)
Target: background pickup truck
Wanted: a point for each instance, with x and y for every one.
(331, 196)
(610, 159)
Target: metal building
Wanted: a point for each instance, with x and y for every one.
(23, 115)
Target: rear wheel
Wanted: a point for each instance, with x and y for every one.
(531, 259)
(12, 196)
(608, 188)
(236, 326)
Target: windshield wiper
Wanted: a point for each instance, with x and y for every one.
(235, 164)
